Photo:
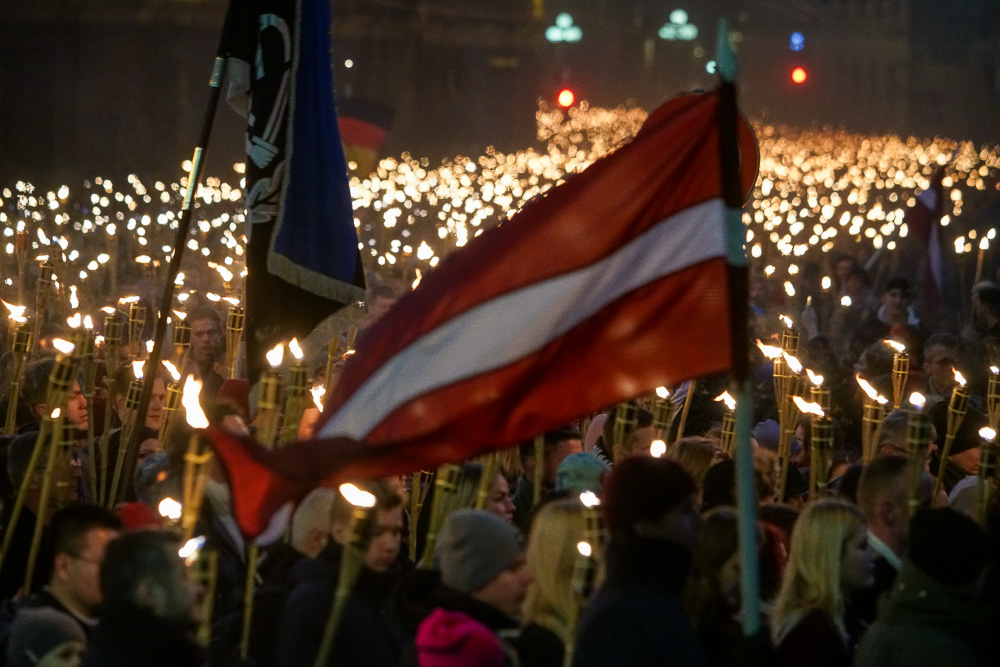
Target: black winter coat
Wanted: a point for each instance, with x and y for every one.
(133, 637)
(363, 638)
(540, 647)
(636, 617)
(865, 602)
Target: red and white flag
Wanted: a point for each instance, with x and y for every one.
(924, 221)
(608, 286)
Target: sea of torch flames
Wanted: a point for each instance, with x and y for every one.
(817, 190)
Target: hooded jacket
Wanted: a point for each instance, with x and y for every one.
(923, 622)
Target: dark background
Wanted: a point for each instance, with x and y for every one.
(108, 87)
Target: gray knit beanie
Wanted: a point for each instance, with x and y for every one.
(37, 632)
(474, 547)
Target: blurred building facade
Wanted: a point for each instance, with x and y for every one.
(120, 85)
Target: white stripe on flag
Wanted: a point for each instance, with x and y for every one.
(512, 326)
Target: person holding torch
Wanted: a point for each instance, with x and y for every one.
(362, 635)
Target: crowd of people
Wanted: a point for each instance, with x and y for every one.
(608, 541)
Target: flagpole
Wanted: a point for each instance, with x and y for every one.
(732, 193)
(183, 227)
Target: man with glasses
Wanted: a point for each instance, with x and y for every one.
(78, 535)
(940, 353)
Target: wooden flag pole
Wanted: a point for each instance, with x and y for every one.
(183, 228)
(732, 191)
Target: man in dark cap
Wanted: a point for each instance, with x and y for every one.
(931, 616)
(636, 616)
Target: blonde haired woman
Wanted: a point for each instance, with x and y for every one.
(829, 560)
(550, 608)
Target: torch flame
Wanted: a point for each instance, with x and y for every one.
(959, 378)
(787, 320)
(191, 548)
(589, 499)
(417, 281)
(987, 434)
(806, 407)
(815, 378)
(727, 399)
(55, 414)
(895, 344)
(170, 509)
(917, 400)
(770, 351)
(584, 548)
(318, 392)
(662, 393)
(275, 355)
(793, 362)
(88, 323)
(180, 315)
(995, 370)
(129, 299)
(214, 298)
(174, 373)
(142, 259)
(657, 448)
(108, 310)
(75, 321)
(137, 369)
(293, 347)
(74, 302)
(15, 311)
(231, 300)
(356, 496)
(63, 346)
(189, 399)
(865, 387)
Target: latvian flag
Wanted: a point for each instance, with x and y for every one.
(608, 286)
(924, 221)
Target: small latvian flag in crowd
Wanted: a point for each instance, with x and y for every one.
(606, 287)
(364, 126)
(303, 262)
(924, 222)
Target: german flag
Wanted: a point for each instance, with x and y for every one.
(364, 126)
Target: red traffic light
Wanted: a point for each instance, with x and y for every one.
(799, 75)
(566, 98)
